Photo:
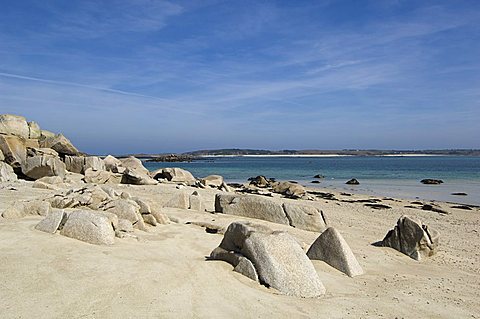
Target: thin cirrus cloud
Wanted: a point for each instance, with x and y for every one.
(154, 76)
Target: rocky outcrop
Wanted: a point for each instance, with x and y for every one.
(293, 214)
(14, 150)
(331, 248)
(412, 238)
(80, 164)
(91, 227)
(40, 166)
(6, 173)
(60, 144)
(35, 151)
(14, 125)
(174, 174)
(274, 259)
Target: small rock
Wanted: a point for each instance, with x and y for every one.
(353, 181)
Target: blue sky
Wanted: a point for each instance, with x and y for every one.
(156, 76)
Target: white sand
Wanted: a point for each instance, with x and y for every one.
(165, 274)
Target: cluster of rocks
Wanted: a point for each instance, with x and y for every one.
(275, 259)
(262, 185)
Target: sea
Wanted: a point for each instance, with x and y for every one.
(392, 176)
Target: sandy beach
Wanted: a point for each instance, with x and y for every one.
(164, 273)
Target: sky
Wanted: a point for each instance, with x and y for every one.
(132, 76)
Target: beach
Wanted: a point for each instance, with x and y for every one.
(164, 273)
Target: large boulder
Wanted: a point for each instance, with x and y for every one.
(39, 166)
(102, 177)
(275, 258)
(259, 207)
(305, 217)
(80, 164)
(13, 149)
(289, 189)
(412, 238)
(14, 125)
(331, 248)
(113, 164)
(90, 226)
(137, 177)
(251, 206)
(261, 181)
(60, 144)
(6, 173)
(124, 209)
(174, 174)
(134, 163)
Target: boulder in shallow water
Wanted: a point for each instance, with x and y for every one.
(353, 181)
(275, 258)
(412, 238)
(331, 248)
(431, 181)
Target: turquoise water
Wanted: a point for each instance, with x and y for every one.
(389, 176)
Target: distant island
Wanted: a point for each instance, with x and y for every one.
(195, 155)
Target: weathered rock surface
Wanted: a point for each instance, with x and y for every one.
(34, 131)
(35, 151)
(332, 248)
(174, 174)
(179, 200)
(113, 164)
(80, 164)
(124, 209)
(134, 163)
(251, 206)
(14, 125)
(52, 222)
(13, 149)
(137, 177)
(196, 202)
(212, 181)
(2, 158)
(261, 181)
(22, 209)
(412, 238)
(289, 189)
(40, 166)
(6, 173)
(60, 144)
(89, 226)
(293, 214)
(102, 177)
(276, 257)
(305, 217)
(92, 197)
